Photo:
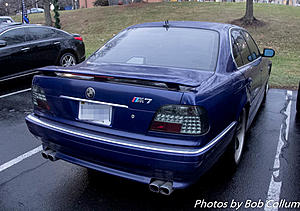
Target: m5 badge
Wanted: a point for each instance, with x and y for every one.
(141, 100)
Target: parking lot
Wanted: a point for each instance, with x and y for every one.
(269, 169)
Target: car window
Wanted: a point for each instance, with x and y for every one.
(5, 20)
(158, 46)
(236, 53)
(60, 33)
(39, 33)
(242, 46)
(14, 36)
(252, 45)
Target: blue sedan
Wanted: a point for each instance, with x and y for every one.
(159, 103)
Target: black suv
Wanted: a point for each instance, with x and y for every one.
(24, 47)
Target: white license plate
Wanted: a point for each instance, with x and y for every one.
(95, 113)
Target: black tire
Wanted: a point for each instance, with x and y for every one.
(266, 91)
(235, 149)
(67, 60)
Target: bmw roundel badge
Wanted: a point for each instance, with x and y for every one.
(90, 93)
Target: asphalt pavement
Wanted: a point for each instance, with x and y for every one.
(269, 169)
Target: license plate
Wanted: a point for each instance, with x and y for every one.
(95, 113)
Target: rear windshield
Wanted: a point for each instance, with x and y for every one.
(159, 46)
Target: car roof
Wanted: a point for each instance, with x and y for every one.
(5, 26)
(188, 24)
(5, 17)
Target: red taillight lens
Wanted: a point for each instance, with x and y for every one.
(191, 120)
(39, 98)
(166, 127)
(78, 38)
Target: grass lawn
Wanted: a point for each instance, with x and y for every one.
(281, 32)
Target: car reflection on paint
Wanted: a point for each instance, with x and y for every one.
(169, 98)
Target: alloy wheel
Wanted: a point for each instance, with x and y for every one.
(240, 137)
(67, 60)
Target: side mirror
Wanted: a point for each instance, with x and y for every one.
(268, 52)
(3, 43)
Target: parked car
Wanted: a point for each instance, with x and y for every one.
(24, 47)
(158, 104)
(6, 19)
(35, 10)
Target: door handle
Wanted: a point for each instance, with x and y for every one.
(56, 43)
(25, 49)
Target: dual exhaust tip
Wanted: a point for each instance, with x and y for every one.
(49, 154)
(157, 186)
(163, 187)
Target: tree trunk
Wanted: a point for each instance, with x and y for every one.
(48, 20)
(248, 18)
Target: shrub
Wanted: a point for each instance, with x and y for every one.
(101, 3)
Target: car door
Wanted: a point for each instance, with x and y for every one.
(246, 64)
(15, 56)
(45, 45)
(261, 64)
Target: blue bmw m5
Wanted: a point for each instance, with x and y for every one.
(159, 103)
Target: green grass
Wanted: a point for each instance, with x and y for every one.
(281, 32)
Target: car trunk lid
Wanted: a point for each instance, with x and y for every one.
(127, 107)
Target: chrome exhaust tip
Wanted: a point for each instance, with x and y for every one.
(155, 185)
(46, 152)
(52, 156)
(166, 188)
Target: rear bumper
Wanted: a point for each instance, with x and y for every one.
(129, 158)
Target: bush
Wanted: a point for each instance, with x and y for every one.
(101, 3)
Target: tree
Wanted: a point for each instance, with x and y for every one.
(249, 17)
(48, 19)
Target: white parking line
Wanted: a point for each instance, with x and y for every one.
(14, 93)
(276, 183)
(20, 158)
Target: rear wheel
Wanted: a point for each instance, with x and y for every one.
(266, 91)
(235, 149)
(67, 59)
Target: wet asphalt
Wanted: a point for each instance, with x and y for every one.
(39, 184)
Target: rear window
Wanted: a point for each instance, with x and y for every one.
(159, 46)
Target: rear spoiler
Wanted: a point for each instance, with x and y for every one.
(103, 76)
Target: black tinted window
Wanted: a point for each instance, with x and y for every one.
(252, 45)
(158, 46)
(39, 33)
(60, 33)
(242, 46)
(236, 53)
(14, 36)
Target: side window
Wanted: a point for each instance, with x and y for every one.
(236, 53)
(242, 46)
(252, 45)
(60, 33)
(39, 33)
(14, 36)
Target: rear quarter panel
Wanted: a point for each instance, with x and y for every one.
(223, 96)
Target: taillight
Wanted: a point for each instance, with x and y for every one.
(183, 119)
(78, 38)
(39, 98)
